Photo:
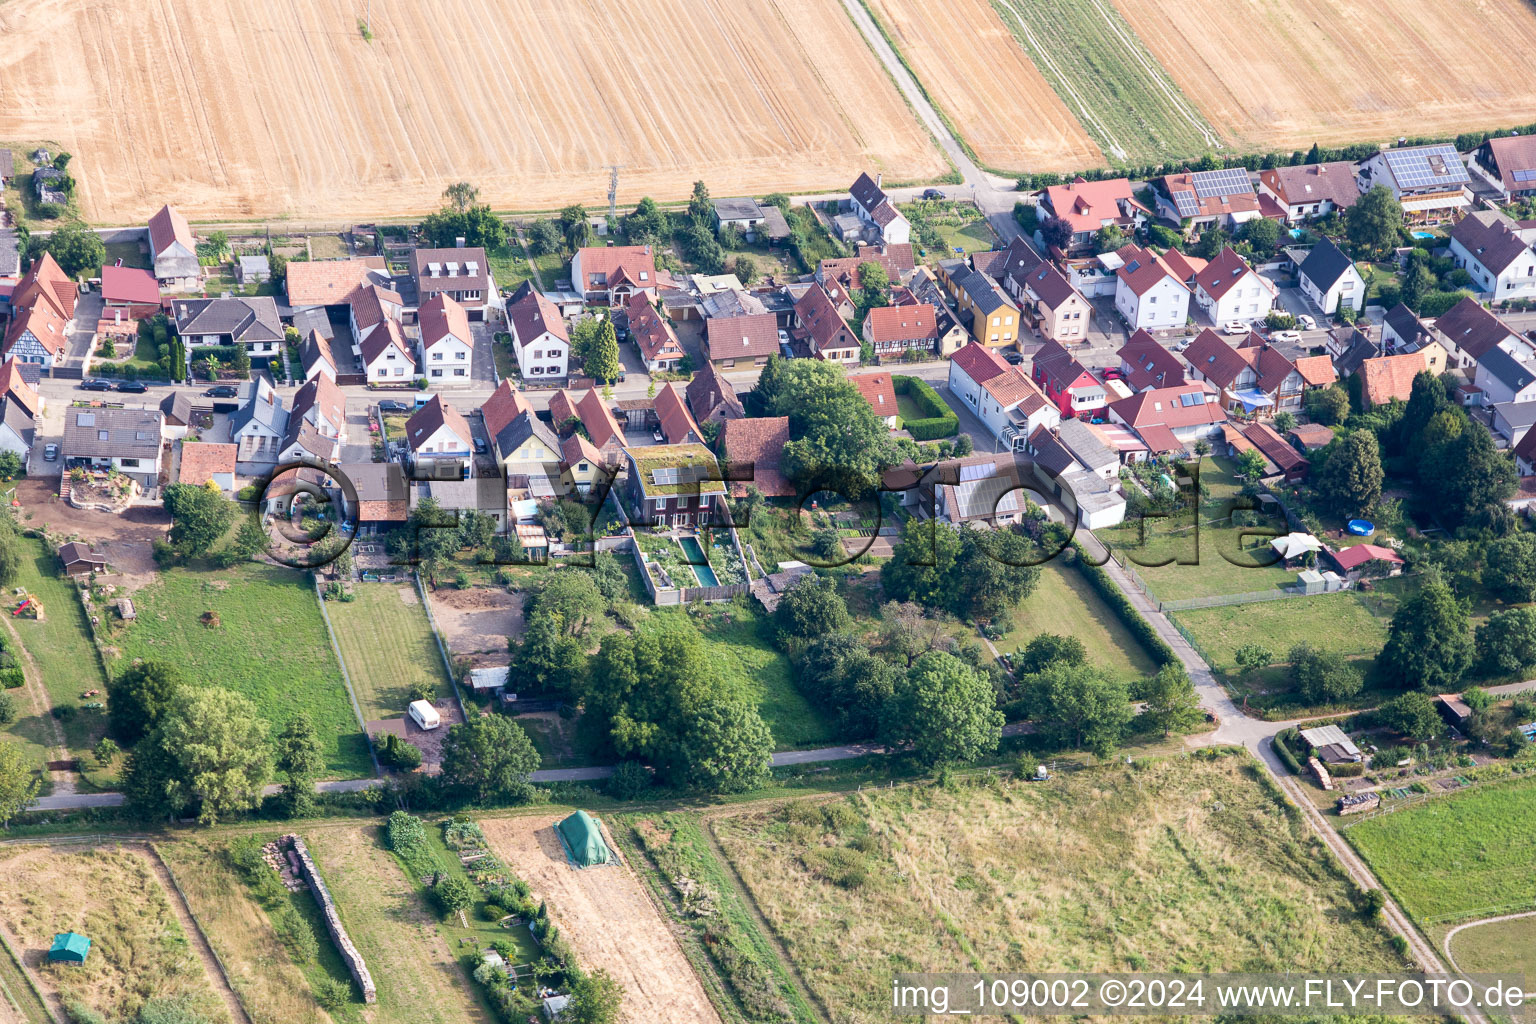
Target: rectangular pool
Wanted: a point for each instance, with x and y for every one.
(701, 567)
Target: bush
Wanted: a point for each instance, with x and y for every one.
(11, 678)
(295, 933)
(398, 752)
(1282, 750)
(493, 912)
(453, 894)
(332, 994)
(630, 780)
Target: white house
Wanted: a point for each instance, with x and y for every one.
(1002, 396)
(1228, 289)
(319, 402)
(1329, 279)
(1497, 252)
(1426, 180)
(257, 428)
(386, 357)
(1468, 332)
(446, 346)
(1504, 378)
(16, 427)
(872, 206)
(174, 251)
(437, 430)
(539, 336)
(1148, 294)
(1308, 191)
(42, 314)
(127, 440)
(317, 358)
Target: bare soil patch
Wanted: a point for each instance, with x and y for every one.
(753, 98)
(141, 523)
(478, 621)
(609, 920)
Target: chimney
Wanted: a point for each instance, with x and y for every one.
(458, 243)
(879, 178)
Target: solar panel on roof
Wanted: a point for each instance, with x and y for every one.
(1185, 201)
(1426, 165)
(980, 471)
(1232, 181)
(1525, 174)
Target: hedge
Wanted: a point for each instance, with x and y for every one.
(941, 420)
(1283, 752)
(1140, 628)
(11, 678)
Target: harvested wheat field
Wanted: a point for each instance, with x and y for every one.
(606, 916)
(140, 950)
(240, 110)
(984, 83)
(1290, 72)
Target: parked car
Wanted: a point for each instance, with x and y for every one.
(1014, 357)
(1113, 373)
(480, 446)
(1285, 336)
(1234, 327)
(222, 391)
(390, 405)
(133, 387)
(1305, 322)
(96, 385)
(50, 452)
(783, 336)
(1183, 344)
(932, 193)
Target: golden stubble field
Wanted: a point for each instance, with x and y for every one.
(984, 82)
(1291, 72)
(233, 109)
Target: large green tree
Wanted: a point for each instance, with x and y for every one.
(1081, 706)
(1511, 568)
(1429, 643)
(838, 443)
(602, 360)
(945, 710)
(200, 517)
(1472, 479)
(1374, 223)
(549, 658)
(19, 781)
(1506, 643)
(728, 748)
(1171, 703)
(648, 224)
(210, 751)
(489, 758)
(595, 999)
(922, 563)
(1413, 714)
(76, 248)
(840, 676)
(300, 758)
(991, 574)
(810, 608)
(1350, 481)
(477, 225)
(139, 698)
(1323, 677)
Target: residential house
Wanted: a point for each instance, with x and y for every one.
(1171, 419)
(1050, 304)
(753, 219)
(1184, 266)
(1525, 454)
(520, 441)
(315, 355)
(880, 392)
(319, 402)
(1316, 372)
(583, 467)
(711, 396)
(1203, 199)
(1468, 331)
(980, 489)
(1091, 500)
(383, 499)
(1387, 377)
(1497, 252)
(249, 320)
(14, 384)
(387, 357)
(483, 495)
(369, 307)
(1002, 396)
(127, 440)
(992, 313)
(653, 334)
(1403, 331)
(446, 346)
(133, 292)
(1512, 420)
(1251, 377)
(1228, 290)
(1067, 382)
(677, 423)
(257, 427)
(823, 330)
(1508, 164)
(1088, 206)
(1349, 347)
(42, 314)
(17, 430)
(540, 339)
(1329, 279)
(174, 251)
(1088, 448)
(176, 414)
(318, 284)
(672, 484)
(1311, 436)
(741, 342)
(752, 448)
(593, 414)
(438, 432)
(204, 463)
(1430, 181)
(1308, 191)
(1148, 293)
(303, 441)
(461, 274)
(612, 273)
(1144, 363)
(1504, 378)
(893, 331)
(872, 206)
(925, 290)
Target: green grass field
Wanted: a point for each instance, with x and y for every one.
(1457, 857)
(131, 253)
(270, 645)
(1065, 603)
(1501, 947)
(1106, 77)
(746, 659)
(1329, 622)
(388, 647)
(1180, 864)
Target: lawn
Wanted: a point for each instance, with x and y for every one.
(387, 646)
(746, 659)
(131, 253)
(1457, 857)
(415, 969)
(269, 644)
(1504, 947)
(110, 895)
(1065, 603)
(1103, 73)
(1178, 864)
(65, 657)
(947, 225)
(272, 988)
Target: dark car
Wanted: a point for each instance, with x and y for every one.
(96, 385)
(1014, 357)
(222, 391)
(480, 446)
(133, 387)
(932, 193)
(390, 405)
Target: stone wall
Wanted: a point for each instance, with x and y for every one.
(349, 953)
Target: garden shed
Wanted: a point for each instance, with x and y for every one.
(583, 840)
(69, 948)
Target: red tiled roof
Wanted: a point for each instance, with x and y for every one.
(1015, 388)
(129, 285)
(321, 392)
(710, 395)
(757, 443)
(426, 421)
(1060, 367)
(652, 331)
(167, 226)
(1186, 268)
(1086, 205)
(1357, 555)
(612, 262)
(878, 391)
(1148, 364)
(1387, 377)
(1167, 406)
(505, 405)
(979, 362)
(530, 315)
(1275, 448)
(576, 449)
(328, 282)
(442, 318)
(901, 323)
(1143, 269)
(1314, 183)
(598, 419)
(1317, 371)
(44, 302)
(677, 422)
(201, 460)
(14, 385)
(380, 340)
(742, 337)
(1219, 275)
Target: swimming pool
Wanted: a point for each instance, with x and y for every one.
(1423, 234)
(701, 568)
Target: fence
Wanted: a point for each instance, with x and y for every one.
(346, 677)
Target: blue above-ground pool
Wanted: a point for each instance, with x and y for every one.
(1423, 234)
(1361, 527)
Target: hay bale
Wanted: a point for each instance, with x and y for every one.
(210, 619)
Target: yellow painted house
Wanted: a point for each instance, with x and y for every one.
(993, 316)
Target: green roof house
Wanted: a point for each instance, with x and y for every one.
(69, 948)
(583, 840)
